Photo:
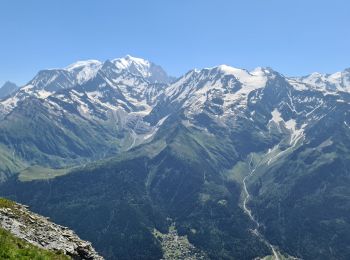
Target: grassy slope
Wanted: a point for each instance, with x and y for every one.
(37, 172)
(9, 163)
(12, 247)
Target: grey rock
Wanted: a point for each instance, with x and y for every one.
(39, 231)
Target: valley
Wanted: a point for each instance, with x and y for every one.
(222, 162)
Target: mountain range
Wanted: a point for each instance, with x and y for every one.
(220, 163)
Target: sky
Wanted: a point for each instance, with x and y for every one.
(294, 37)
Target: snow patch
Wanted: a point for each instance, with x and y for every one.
(42, 94)
(276, 116)
(291, 125)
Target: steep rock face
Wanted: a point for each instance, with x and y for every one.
(40, 232)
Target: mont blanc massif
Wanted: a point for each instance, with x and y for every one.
(220, 163)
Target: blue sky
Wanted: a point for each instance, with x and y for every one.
(294, 37)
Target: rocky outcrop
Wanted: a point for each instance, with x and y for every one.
(41, 232)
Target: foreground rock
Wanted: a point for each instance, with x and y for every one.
(39, 231)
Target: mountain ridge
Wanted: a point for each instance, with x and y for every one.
(175, 159)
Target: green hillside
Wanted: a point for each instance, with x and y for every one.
(14, 248)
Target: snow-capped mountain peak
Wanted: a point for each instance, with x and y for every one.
(222, 89)
(82, 64)
(136, 66)
(231, 70)
(133, 78)
(84, 70)
(143, 68)
(254, 78)
(338, 81)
